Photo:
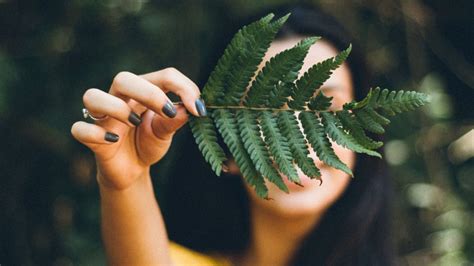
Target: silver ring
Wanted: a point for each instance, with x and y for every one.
(87, 114)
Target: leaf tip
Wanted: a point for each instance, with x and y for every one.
(348, 171)
(285, 17)
(311, 40)
(425, 98)
(268, 18)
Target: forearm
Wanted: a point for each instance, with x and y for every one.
(133, 230)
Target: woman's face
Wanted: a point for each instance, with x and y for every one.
(313, 198)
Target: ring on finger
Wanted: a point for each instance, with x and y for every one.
(87, 114)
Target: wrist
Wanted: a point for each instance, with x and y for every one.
(124, 182)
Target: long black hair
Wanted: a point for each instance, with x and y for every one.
(211, 214)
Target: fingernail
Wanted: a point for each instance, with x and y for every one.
(201, 107)
(111, 137)
(134, 119)
(169, 109)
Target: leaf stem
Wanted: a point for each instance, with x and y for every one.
(250, 108)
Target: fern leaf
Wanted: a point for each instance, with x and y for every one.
(205, 136)
(314, 78)
(227, 125)
(284, 67)
(244, 66)
(350, 123)
(368, 122)
(255, 134)
(253, 143)
(278, 146)
(320, 102)
(214, 88)
(384, 95)
(391, 102)
(288, 125)
(404, 101)
(316, 136)
(335, 131)
(377, 117)
(279, 94)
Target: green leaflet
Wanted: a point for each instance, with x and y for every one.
(353, 127)
(279, 94)
(214, 88)
(283, 68)
(391, 102)
(319, 141)
(368, 122)
(298, 146)
(314, 78)
(244, 66)
(250, 134)
(278, 145)
(227, 125)
(205, 135)
(334, 130)
(319, 102)
(261, 131)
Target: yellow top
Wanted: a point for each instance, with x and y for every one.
(181, 255)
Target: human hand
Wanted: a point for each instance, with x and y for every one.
(139, 125)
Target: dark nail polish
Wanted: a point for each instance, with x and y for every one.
(201, 107)
(111, 137)
(134, 119)
(169, 110)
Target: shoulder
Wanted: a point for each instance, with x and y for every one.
(181, 255)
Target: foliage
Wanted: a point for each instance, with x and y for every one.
(260, 125)
(51, 52)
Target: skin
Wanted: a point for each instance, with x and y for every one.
(132, 226)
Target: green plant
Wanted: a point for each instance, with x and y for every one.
(270, 108)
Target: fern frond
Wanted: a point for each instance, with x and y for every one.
(253, 143)
(227, 125)
(368, 122)
(335, 131)
(403, 101)
(284, 67)
(392, 102)
(377, 117)
(214, 88)
(205, 136)
(258, 127)
(350, 123)
(278, 145)
(316, 136)
(314, 78)
(319, 102)
(244, 66)
(288, 125)
(279, 94)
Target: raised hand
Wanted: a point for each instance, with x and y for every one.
(140, 121)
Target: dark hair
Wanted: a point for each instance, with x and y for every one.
(209, 213)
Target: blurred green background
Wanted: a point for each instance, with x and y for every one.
(52, 51)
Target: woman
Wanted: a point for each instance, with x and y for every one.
(341, 222)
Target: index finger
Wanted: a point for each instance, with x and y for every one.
(130, 86)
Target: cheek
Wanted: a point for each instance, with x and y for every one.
(334, 181)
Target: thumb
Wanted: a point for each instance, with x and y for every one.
(156, 132)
